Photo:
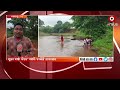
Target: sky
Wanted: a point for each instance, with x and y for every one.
(8, 25)
(52, 20)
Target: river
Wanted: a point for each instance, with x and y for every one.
(52, 46)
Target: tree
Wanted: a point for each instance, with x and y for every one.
(59, 22)
(33, 26)
(95, 26)
(57, 27)
(41, 23)
(30, 25)
(66, 27)
(47, 29)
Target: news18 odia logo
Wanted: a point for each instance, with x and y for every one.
(112, 20)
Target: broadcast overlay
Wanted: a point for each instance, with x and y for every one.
(60, 38)
(59, 46)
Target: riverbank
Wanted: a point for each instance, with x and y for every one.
(103, 46)
(55, 34)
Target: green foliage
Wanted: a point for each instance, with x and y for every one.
(9, 32)
(30, 26)
(79, 35)
(59, 27)
(105, 44)
(66, 27)
(41, 22)
(95, 27)
(46, 29)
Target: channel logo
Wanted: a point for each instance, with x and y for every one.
(111, 19)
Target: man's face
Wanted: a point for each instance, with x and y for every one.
(18, 31)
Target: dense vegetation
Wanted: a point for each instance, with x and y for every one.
(59, 27)
(94, 27)
(30, 26)
(97, 29)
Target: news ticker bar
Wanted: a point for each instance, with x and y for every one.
(63, 59)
